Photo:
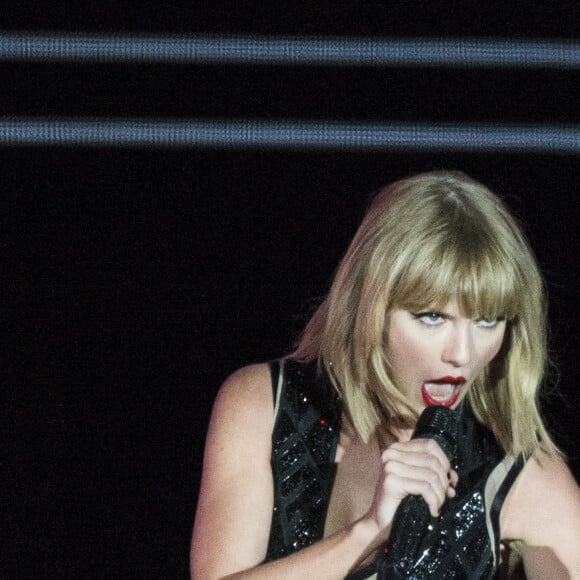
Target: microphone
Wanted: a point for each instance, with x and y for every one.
(412, 520)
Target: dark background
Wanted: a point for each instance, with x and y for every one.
(138, 279)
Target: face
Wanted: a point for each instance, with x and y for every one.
(436, 354)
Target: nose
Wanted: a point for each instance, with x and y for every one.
(458, 347)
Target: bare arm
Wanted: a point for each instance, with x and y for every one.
(542, 510)
(234, 511)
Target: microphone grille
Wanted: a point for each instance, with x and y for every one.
(439, 423)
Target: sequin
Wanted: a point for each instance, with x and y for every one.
(303, 448)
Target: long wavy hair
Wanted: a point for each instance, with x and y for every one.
(424, 241)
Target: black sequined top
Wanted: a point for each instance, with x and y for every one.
(303, 450)
(462, 543)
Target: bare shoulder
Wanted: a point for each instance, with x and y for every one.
(244, 405)
(544, 491)
(242, 418)
(542, 511)
(247, 389)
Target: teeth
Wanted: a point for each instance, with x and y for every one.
(440, 391)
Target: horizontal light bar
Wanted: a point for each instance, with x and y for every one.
(329, 51)
(238, 134)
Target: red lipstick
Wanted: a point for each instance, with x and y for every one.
(448, 380)
(434, 395)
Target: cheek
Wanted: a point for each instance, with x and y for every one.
(491, 350)
(404, 357)
(405, 349)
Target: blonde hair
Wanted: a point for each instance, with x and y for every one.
(423, 241)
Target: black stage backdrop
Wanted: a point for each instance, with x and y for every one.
(137, 279)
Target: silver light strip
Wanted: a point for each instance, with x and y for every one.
(336, 136)
(329, 51)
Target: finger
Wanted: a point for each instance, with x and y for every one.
(419, 460)
(402, 486)
(429, 446)
(424, 476)
(453, 477)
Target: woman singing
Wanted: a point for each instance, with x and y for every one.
(439, 304)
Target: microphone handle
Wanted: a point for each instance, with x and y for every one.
(412, 520)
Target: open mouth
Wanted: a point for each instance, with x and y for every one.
(444, 392)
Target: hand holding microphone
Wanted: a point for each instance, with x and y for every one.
(417, 479)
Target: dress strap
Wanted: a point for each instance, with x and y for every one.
(277, 374)
(497, 487)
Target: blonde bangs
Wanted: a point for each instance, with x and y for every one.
(474, 270)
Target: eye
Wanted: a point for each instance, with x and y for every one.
(430, 318)
(488, 322)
